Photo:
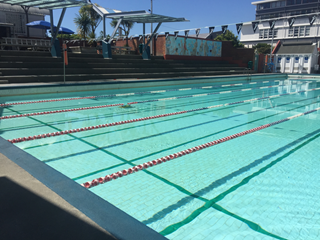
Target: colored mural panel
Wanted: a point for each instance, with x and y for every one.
(192, 47)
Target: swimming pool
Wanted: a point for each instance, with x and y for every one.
(258, 185)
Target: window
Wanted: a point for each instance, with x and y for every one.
(260, 34)
(290, 2)
(265, 35)
(282, 3)
(290, 34)
(301, 32)
(307, 31)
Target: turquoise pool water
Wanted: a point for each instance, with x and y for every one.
(263, 185)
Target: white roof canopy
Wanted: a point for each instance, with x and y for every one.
(47, 4)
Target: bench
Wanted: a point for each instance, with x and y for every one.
(122, 50)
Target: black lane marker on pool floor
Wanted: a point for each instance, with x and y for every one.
(212, 202)
(139, 158)
(146, 171)
(178, 117)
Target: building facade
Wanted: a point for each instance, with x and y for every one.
(295, 20)
(13, 20)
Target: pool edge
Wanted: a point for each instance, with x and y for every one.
(104, 214)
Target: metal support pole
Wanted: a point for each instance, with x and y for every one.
(271, 48)
(115, 29)
(51, 23)
(144, 33)
(151, 47)
(55, 34)
(104, 27)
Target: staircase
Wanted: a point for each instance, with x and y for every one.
(28, 67)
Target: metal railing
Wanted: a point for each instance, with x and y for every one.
(247, 72)
(19, 43)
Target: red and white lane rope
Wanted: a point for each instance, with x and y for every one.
(129, 94)
(59, 111)
(155, 162)
(121, 104)
(54, 134)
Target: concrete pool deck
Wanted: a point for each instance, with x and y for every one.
(37, 202)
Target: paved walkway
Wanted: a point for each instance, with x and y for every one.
(30, 210)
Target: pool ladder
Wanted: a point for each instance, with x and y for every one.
(247, 71)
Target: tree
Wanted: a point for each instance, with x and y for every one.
(126, 26)
(95, 18)
(82, 21)
(263, 48)
(229, 36)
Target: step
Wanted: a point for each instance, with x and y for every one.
(50, 71)
(87, 77)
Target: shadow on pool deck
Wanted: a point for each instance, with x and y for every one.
(29, 210)
(26, 215)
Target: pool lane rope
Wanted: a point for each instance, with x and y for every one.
(130, 94)
(54, 134)
(129, 104)
(125, 172)
(59, 111)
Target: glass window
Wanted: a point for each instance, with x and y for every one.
(290, 2)
(290, 34)
(301, 32)
(261, 34)
(265, 34)
(296, 31)
(275, 33)
(298, 1)
(307, 30)
(273, 5)
(282, 3)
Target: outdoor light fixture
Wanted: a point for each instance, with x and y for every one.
(140, 37)
(156, 36)
(131, 37)
(211, 29)
(167, 34)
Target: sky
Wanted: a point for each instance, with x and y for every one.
(200, 13)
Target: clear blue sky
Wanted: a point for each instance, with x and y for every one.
(201, 13)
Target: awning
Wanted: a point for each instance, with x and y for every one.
(296, 49)
(141, 16)
(144, 17)
(47, 4)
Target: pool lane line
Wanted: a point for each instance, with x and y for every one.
(122, 104)
(203, 94)
(129, 112)
(54, 134)
(152, 163)
(154, 175)
(172, 147)
(130, 94)
(59, 111)
(221, 196)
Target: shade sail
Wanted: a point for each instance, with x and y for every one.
(47, 4)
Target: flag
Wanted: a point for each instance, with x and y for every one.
(239, 27)
(224, 29)
(255, 26)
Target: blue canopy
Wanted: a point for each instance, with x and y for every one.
(64, 30)
(39, 24)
